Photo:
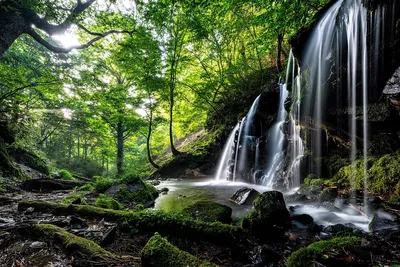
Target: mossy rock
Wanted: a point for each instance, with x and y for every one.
(7, 168)
(328, 194)
(383, 174)
(76, 245)
(158, 252)
(209, 211)
(269, 215)
(134, 191)
(29, 158)
(306, 257)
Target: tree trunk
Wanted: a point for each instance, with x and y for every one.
(279, 56)
(120, 148)
(12, 26)
(148, 140)
(171, 107)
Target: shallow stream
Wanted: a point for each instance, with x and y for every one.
(182, 193)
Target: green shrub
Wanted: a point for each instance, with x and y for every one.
(66, 175)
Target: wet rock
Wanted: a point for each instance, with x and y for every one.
(328, 194)
(154, 182)
(296, 197)
(269, 217)
(109, 236)
(264, 256)
(48, 185)
(209, 211)
(29, 210)
(76, 221)
(304, 219)
(163, 191)
(37, 245)
(383, 221)
(244, 196)
(342, 230)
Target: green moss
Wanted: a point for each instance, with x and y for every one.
(65, 174)
(102, 184)
(146, 221)
(382, 173)
(75, 244)
(29, 158)
(158, 252)
(86, 188)
(209, 211)
(108, 202)
(146, 193)
(306, 256)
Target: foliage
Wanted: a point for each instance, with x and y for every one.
(65, 174)
(158, 252)
(306, 256)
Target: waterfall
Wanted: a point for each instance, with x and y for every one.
(275, 142)
(225, 157)
(329, 84)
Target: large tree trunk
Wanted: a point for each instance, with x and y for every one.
(12, 26)
(120, 148)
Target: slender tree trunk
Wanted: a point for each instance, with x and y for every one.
(79, 146)
(148, 139)
(171, 107)
(279, 56)
(120, 148)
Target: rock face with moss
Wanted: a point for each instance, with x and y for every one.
(269, 216)
(209, 211)
(132, 190)
(158, 252)
(383, 174)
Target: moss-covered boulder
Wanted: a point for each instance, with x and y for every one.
(269, 215)
(29, 158)
(209, 211)
(75, 245)
(383, 174)
(132, 190)
(317, 252)
(158, 252)
(7, 168)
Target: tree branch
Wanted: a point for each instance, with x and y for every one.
(35, 19)
(57, 49)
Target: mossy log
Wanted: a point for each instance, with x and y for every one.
(158, 252)
(76, 245)
(148, 221)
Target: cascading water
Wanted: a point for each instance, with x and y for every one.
(329, 86)
(275, 142)
(245, 140)
(225, 157)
